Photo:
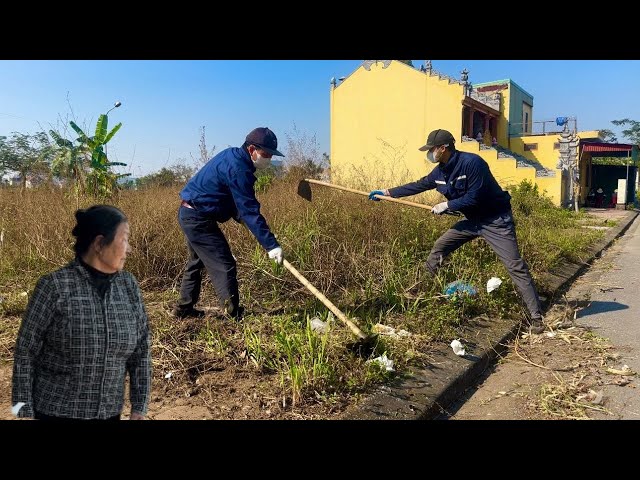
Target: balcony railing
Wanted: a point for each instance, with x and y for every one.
(544, 127)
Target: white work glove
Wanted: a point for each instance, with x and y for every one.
(440, 208)
(276, 255)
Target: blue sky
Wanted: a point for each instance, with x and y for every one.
(164, 102)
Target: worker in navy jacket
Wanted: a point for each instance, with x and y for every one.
(469, 187)
(221, 190)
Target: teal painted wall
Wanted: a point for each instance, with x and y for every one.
(517, 95)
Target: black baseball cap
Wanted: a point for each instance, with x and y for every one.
(264, 139)
(437, 138)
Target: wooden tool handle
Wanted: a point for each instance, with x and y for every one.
(359, 192)
(324, 300)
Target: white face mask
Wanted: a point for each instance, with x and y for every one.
(432, 157)
(262, 162)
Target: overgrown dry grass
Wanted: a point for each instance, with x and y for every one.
(366, 257)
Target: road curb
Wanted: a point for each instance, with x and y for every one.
(422, 394)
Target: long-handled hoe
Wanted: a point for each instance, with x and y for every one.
(304, 190)
(366, 344)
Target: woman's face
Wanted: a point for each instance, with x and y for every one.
(113, 256)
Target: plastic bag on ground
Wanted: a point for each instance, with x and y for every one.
(458, 348)
(493, 283)
(384, 361)
(459, 287)
(318, 325)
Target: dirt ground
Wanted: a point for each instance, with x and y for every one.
(224, 395)
(232, 389)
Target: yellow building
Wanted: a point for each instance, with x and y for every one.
(383, 111)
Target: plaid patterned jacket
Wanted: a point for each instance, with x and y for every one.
(74, 349)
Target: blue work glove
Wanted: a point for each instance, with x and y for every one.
(377, 192)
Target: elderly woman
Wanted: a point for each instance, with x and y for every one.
(85, 328)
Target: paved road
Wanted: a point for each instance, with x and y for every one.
(610, 293)
(614, 313)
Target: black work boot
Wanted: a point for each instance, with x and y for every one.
(188, 312)
(536, 325)
(235, 313)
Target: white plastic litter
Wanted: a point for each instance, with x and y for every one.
(387, 330)
(168, 375)
(384, 361)
(458, 348)
(493, 283)
(318, 325)
(16, 408)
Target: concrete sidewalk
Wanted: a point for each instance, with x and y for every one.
(612, 313)
(422, 394)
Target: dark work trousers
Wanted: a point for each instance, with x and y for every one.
(208, 248)
(500, 233)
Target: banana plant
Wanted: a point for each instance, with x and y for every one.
(87, 161)
(69, 159)
(95, 145)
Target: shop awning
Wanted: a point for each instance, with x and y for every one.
(606, 147)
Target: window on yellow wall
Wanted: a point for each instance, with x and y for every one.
(530, 146)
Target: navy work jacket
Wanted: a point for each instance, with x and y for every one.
(468, 185)
(224, 189)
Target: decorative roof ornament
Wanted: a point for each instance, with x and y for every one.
(464, 78)
(367, 64)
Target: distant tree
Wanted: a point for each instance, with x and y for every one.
(182, 171)
(27, 155)
(204, 154)
(632, 133)
(162, 178)
(3, 168)
(303, 155)
(408, 62)
(608, 136)
(177, 174)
